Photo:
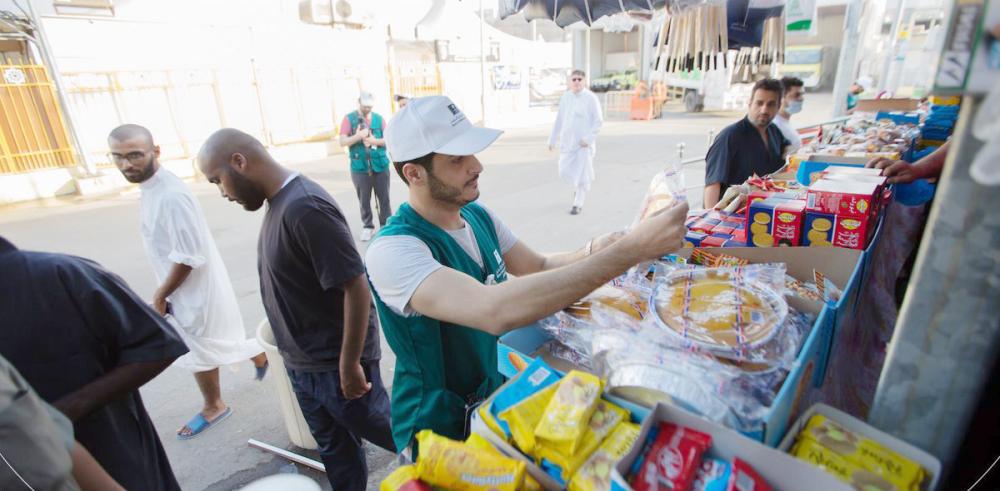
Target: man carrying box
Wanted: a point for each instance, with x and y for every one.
(439, 271)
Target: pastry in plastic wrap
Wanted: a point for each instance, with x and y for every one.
(564, 422)
(452, 465)
(628, 302)
(595, 473)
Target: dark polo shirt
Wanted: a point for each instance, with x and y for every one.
(739, 152)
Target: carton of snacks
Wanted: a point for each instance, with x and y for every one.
(705, 224)
(715, 240)
(826, 229)
(693, 238)
(775, 222)
(843, 198)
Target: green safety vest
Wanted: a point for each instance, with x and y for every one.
(441, 367)
(360, 154)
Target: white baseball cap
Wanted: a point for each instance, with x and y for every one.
(366, 99)
(434, 124)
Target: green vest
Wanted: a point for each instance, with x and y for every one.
(440, 367)
(360, 153)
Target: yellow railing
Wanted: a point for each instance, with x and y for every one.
(33, 134)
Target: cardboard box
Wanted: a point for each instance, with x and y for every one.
(693, 238)
(715, 240)
(842, 266)
(876, 105)
(826, 229)
(704, 224)
(930, 463)
(775, 222)
(864, 171)
(841, 197)
(781, 471)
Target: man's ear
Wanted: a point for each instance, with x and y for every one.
(413, 172)
(238, 161)
(156, 151)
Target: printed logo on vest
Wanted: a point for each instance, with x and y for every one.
(501, 266)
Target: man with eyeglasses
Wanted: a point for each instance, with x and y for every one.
(195, 291)
(576, 128)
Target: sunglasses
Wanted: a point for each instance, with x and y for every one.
(577, 79)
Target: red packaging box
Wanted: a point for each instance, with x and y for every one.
(723, 229)
(714, 241)
(824, 229)
(776, 222)
(704, 224)
(844, 198)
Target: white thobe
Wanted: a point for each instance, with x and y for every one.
(794, 140)
(579, 120)
(205, 311)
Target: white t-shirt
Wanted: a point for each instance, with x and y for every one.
(794, 140)
(398, 264)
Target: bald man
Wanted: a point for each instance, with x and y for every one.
(195, 292)
(316, 296)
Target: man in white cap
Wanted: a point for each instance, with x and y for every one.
(361, 131)
(439, 270)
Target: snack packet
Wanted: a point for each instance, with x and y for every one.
(537, 376)
(523, 417)
(709, 260)
(595, 473)
(565, 419)
(829, 291)
(899, 470)
(713, 475)
(606, 417)
(842, 468)
(452, 465)
(405, 478)
(745, 478)
(673, 459)
(478, 442)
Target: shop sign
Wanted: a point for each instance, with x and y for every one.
(14, 76)
(959, 45)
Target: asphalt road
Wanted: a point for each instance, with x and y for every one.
(520, 183)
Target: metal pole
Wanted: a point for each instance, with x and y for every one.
(888, 66)
(711, 136)
(482, 62)
(680, 152)
(947, 336)
(294, 457)
(848, 55)
(42, 43)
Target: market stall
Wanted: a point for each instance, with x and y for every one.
(750, 359)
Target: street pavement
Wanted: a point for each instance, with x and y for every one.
(520, 183)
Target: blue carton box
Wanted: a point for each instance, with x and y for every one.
(842, 266)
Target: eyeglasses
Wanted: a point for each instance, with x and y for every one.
(577, 79)
(134, 157)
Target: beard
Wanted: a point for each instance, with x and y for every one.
(144, 174)
(246, 192)
(445, 193)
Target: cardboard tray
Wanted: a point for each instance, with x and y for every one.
(843, 267)
(930, 463)
(782, 471)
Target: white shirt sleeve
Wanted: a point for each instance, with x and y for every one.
(179, 221)
(397, 265)
(505, 236)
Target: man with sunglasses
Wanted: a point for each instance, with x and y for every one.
(576, 129)
(195, 291)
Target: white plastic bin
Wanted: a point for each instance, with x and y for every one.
(295, 423)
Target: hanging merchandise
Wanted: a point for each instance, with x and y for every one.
(800, 17)
(566, 12)
(746, 20)
(695, 39)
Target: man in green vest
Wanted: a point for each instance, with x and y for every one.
(361, 131)
(439, 271)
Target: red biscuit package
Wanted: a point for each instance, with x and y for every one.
(673, 459)
(742, 477)
(842, 197)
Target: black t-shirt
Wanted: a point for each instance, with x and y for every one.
(304, 256)
(738, 153)
(66, 322)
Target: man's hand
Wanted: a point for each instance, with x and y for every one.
(160, 303)
(659, 235)
(352, 380)
(363, 133)
(369, 141)
(881, 163)
(902, 173)
(584, 144)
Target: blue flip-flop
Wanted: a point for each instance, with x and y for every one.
(261, 371)
(198, 424)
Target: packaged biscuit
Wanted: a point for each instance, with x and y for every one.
(899, 470)
(673, 459)
(405, 478)
(713, 475)
(606, 417)
(844, 198)
(825, 230)
(775, 222)
(745, 478)
(842, 468)
(564, 422)
(537, 376)
(522, 418)
(453, 465)
(595, 473)
(693, 238)
(492, 422)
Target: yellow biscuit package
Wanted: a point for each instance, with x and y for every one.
(487, 417)
(899, 470)
(449, 464)
(595, 474)
(605, 419)
(404, 478)
(523, 417)
(844, 469)
(478, 442)
(565, 419)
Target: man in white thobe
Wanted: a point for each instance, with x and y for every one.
(576, 129)
(195, 292)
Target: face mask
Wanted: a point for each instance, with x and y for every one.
(794, 107)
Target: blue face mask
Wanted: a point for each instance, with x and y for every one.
(794, 107)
